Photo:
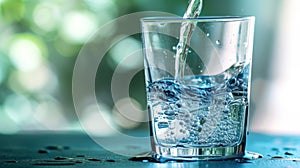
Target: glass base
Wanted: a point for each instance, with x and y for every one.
(163, 154)
(154, 157)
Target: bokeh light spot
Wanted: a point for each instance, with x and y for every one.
(26, 52)
(103, 6)
(53, 121)
(46, 15)
(122, 52)
(77, 26)
(39, 80)
(18, 108)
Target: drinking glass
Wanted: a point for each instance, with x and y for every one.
(203, 113)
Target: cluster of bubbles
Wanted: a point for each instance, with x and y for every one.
(203, 111)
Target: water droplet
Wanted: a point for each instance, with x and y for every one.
(43, 151)
(288, 153)
(110, 160)
(52, 147)
(93, 159)
(277, 157)
(218, 42)
(60, 158)
(11, 161)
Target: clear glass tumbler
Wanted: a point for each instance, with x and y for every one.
(202, 113)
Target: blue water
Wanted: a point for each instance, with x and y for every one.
(200, 110)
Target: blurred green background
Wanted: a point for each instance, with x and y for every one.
(40, 41)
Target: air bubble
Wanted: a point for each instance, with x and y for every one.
(165, 53)
(183, 141)
(162, 125)
(170, 117)
(218, 42)
(207, 34)
(178, 47)
(169, 113)
(183, 131)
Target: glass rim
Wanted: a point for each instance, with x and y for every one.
(170, 19)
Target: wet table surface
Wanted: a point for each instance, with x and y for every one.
(77, 149)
